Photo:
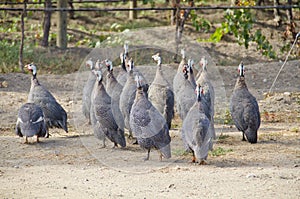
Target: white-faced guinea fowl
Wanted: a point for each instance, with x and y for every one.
(190, 71)
(244, 108)
(160, 94)
(208, 94)
(195, 134)
(55, 115)
(179, 78)
(102, 109)
(128, 94)
(87, 90)
(148, 125)
(124, 57)
(31, 122)
(114, 90)
(185, 98)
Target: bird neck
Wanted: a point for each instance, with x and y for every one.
(35, 80)
(241, 83)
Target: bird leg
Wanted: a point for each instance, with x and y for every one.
(26, 140)
(37, 139)
(244, 139)
(103, 145)
(194, 158)
(160, 156)
(115, 146)
(148, 155)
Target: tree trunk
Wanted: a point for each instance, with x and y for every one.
(21, 66)
(46, 24)
(61, 40)
(180, 21)
(133, 13)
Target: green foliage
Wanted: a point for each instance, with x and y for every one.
(228, 118)
(199, 23)
(220, 151)
(239, 23)
(180, 152)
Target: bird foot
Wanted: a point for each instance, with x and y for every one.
(146, 158)
(26, 141)
(202, 162)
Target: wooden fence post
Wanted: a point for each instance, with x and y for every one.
(21, 65)
(46, 23)
(133, 13)
(61, 40)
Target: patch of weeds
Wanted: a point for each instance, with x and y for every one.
(223, 137)
(180, 152)
(227, 117)
(220, 151)
(294, 129)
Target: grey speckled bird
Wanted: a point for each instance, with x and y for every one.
(114, 90)
(160, 94)
(244, 109)
(195, 134)
(148, 125)
(185, 97)
(179, 78)
(128, 94)
(124, 57)
(87, 90)
(208, 95)
(31, 122)
(55, 115)
(102, 109)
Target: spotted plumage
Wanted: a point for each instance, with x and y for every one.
(55, 115)
(31, 122)
(244, 109)
(148, 125)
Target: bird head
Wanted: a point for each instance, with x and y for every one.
(157, 58)
(89, 64)
(182, 53)
(241, 70)
(109, 65)
(199, 92)
(130, 65)
(190, 65)
(139, 81)
(185, 71)
(203, 63)
(32, 68)
(98, 74)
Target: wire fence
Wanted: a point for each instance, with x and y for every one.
(54, 9)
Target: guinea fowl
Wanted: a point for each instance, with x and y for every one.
(179, 78)
(55, 115)
(148, 125)
(160, 94)
(244, 109)
(185, 98)
(102, 109)
(31, 122)
(114, 90)
(122, 76)
(87, 91)
(195, 134)
(190, 71)
(128, 94)
(208, 95)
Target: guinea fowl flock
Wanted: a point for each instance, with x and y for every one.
(112, 104)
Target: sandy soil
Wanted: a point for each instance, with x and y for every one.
(74, 165)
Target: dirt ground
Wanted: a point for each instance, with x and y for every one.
(74, 165)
